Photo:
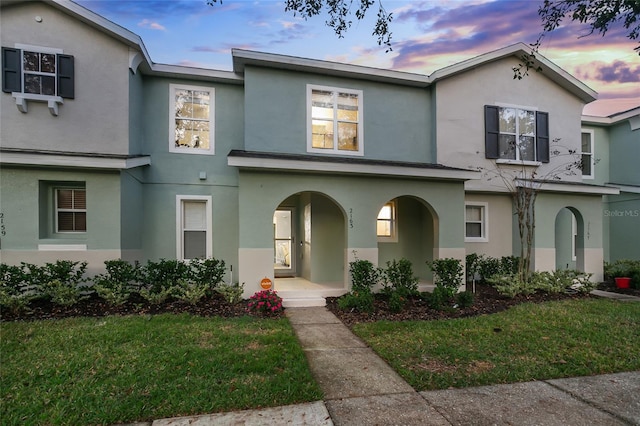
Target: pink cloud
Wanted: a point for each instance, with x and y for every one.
(146, 23)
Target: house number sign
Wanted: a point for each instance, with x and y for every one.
(3, 229)
(350, 218)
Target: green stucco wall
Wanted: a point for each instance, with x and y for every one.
(276, 115)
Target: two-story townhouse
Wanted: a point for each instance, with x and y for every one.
(286, 168)
(611, 148)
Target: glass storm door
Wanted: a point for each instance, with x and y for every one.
(283, 241)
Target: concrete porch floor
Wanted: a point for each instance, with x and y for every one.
(297, 292)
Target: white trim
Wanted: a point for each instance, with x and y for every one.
(592, 153)
(62, 247)
(179, 229)
(571, 188)
(335, 150)
(523, 107)
(626, 188)
(172, 120)
(484, 238)
(633, 113)
(518, 162)
(349, 168)
(22, 98)
(84, 161)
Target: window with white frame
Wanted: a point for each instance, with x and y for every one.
(334, 120)
(475, 222)
(587, 150)
(71, 209)
(386, 222)
(193, 217)
(191, 112)
(516, 134)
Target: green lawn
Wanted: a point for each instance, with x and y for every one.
(527, 342)
(122, 369)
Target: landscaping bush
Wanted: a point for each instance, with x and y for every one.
(14, 288)
(62, 293)
(363, 275)
(360, 301)
(231, 292)
(190, 291)
(438, 298)
(465, 299)
(487, 266)
(472, 265)
(398, 277)
(448, 275)
(559, 281)
(120, 280)
(623, 268)
(265, 302)
(209, 272)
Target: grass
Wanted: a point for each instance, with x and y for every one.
(122, 369)
(527, 342)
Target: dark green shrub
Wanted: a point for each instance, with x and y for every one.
(162, 275)
(465, 299)
(360, 301)
(62, 293)
(509, 264)
(439, 298)
(398, 277)
(447, 275)
(489, 266)
(209, 272)
(120, 280)
(472, 265)
(396, 302)
(363, 275)
(14, 288)
(624, 268)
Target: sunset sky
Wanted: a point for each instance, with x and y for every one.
(427, 36)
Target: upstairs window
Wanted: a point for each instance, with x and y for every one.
(71, 210)
(191, 119)
(587, 160)
(516, 134)
(335, 120)
(37, 71)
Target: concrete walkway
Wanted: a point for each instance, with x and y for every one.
(361, 389)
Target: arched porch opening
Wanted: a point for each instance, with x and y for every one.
(309, 237)
(569, 239)
(407, 227)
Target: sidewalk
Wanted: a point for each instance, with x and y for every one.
(361, 389)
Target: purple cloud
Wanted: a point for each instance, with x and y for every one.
(616, 72)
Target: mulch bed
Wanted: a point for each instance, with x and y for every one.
(94, 306)
(486, 301)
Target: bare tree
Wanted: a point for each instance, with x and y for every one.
(523, 183)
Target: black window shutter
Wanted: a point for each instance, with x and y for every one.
(492, 131)
(542, 136)
(65, 76)
(11, 70)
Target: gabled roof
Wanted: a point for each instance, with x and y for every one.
(135, 43)
(549, 69)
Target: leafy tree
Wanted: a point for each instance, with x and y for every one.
(341, 13)
(600, 15)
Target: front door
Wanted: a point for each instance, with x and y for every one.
(284, 243)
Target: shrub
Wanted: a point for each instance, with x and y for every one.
(398, 277)
(447, 275)
(489, 266)
(439, 298)
(265, 302)
(509, 264)
(363, 275)
(624, 268)
(511, 285)
(190, 291)
(472, 265)
(156, 297)
(162, 275)
(465, 299)
(14, 288)
(231, 292)
(209, 272)
(62, 293)
(360, 301)
(120, 280)
(396, 302)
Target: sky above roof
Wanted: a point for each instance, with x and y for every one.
(427, 36)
